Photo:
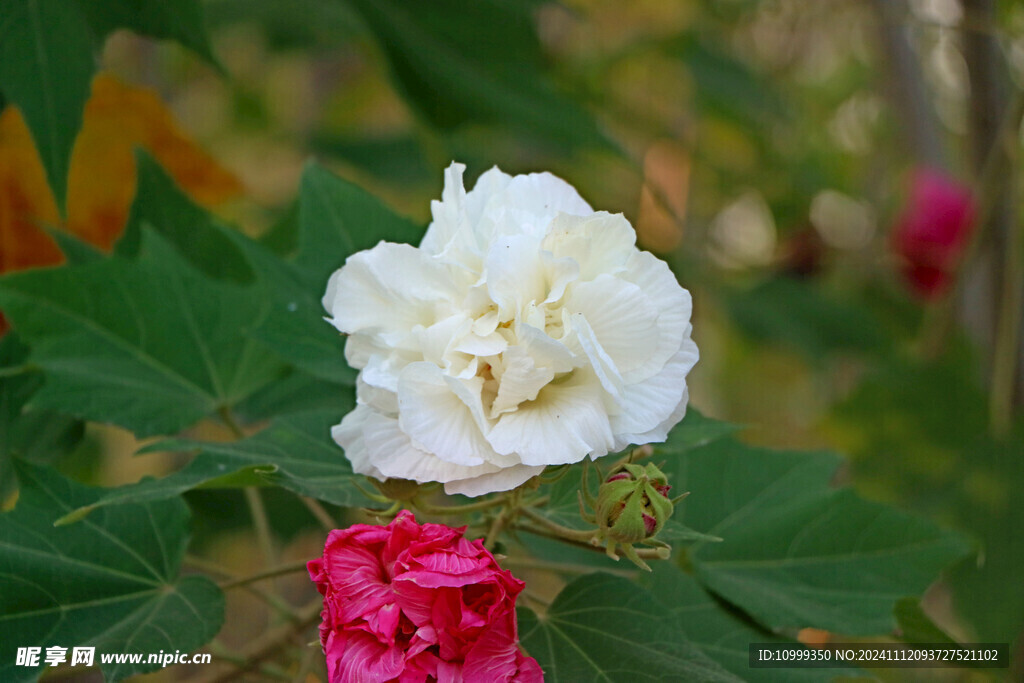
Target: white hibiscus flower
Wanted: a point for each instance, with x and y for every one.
(526, 330)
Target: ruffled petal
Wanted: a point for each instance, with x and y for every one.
(566, 422)
(600, 243)
(672, 302)
(392, 452)
(648, 405)
(436, 419)
(349, 435)
(504, 479)
(624, 321)
(389, 290)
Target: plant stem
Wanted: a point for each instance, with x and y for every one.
(562, 567)
(268, 644)
(644, 553)
(496, 528)
(987, 189)
(558, 530)
(318, 511)
(229, 421)
(275, 603)
(208, 567)
(15, 370)
(221, 652)
(268, 574)
(261, 523)
(1006, 354)
(458, 509)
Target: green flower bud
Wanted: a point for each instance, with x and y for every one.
(632, 504)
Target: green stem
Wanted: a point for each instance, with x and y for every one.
(1005, 354)
(220, 651)
(267, 645)
(562, 567)
(988, 187)
(208, 567)
(560, 531)
(458, 509)
(645, 553)
(320, 513)
(496, 528)
(261, 524)
(228, 419)
(16, 370)
(275, 603)
(292, 568)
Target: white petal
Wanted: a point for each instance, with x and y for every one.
(622, 317)
(502, 480)
(660, 433)
(545, 351)
(390, 288)
(488, 345)
(647, 405)
(491, 183)
(521, 379)
(514, 274)
(380, 400)
(394, 455)
(449, 213)
(565, 423)
(545, 196)
(600, 362)
(349, 435)
(435, 341)
(673, 303)
(600, 243)
(436, 419)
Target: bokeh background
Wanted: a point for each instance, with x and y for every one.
(835, 182)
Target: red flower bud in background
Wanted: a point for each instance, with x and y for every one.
(415, 603)
(933, 231)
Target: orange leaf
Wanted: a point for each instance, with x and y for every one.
(101, 182)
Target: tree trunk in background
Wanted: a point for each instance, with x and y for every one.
(979, 299)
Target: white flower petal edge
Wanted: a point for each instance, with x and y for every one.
(526, 330)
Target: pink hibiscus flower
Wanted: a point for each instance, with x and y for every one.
(416, 603)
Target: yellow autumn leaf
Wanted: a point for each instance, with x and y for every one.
(102, 178)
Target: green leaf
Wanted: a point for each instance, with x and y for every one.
(698, 430)
(296, 24)
(295, 452)
(77, 251)
(917, 627)
(337, 219)
(46, 66)
(798, 553)
(918, 434)
(721, 632)
(399, 160)
(563, 505)
(181, 20)
(606, 628)
(290, 321)
(147, 344)
(805, 318)
(36, 435)
(111, 582)
(479, 62)
(727, 87)
(199, 237)
(296, 392)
